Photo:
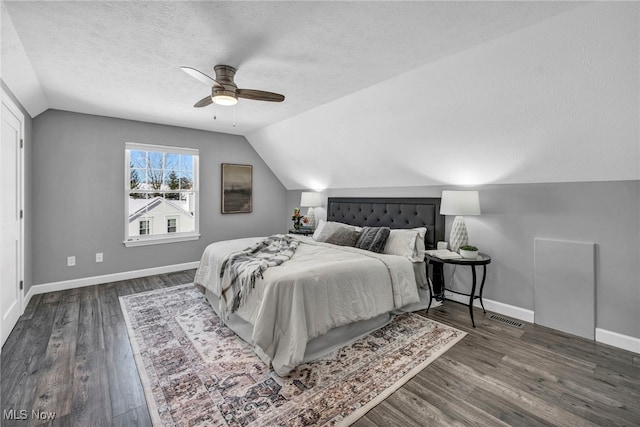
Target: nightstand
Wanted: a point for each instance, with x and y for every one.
(303, 231)
(438, 277)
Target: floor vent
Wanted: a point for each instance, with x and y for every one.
(506, 321)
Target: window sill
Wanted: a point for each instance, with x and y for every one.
(160, 240)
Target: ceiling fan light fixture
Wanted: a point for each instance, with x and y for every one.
(224, 90)
(226, 100)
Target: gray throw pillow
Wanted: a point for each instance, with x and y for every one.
(373, 239)
(344, 236)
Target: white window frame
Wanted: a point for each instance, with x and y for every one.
(131, 241)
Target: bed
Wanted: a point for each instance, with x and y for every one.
(326, 295)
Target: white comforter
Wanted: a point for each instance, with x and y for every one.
(321, 287)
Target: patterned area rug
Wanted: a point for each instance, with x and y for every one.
(197, 372)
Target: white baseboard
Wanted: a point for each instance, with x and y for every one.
(495, 306)
(603, 336)
(618, 340)
(107, 278)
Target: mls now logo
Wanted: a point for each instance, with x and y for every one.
(23, 414)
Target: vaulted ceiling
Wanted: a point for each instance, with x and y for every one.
(377, 93)
(122, 59)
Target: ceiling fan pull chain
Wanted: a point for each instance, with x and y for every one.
(234, 116)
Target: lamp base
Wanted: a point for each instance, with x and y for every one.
(459, 236)
(312, 219)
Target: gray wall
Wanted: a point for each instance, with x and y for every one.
(607, 213)
(28, 242)
(78, 202)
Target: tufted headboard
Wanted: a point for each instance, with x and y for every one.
(390, 212)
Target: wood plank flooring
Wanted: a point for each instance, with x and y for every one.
(70, 354)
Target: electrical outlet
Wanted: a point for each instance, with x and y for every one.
(71, 261)
(98, 256)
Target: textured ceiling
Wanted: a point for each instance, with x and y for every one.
(122, 59)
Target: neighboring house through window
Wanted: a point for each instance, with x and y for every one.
(161, 194)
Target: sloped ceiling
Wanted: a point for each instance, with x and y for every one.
(558, 101)
(378, 93)
(122, 59)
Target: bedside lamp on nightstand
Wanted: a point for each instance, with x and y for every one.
(459, 203)
(311, 199)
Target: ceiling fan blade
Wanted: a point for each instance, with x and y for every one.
(203, 102)
(259, 95)
(201, 76)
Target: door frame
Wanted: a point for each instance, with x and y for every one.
(15, 110)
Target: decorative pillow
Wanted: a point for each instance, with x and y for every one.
(344, 236)
(373, 239)
(407, 243)
(327, 228)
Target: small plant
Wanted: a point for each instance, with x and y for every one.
(297, 218)
(468, 248)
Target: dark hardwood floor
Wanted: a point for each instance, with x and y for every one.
(70, 354)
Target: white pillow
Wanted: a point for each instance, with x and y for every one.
(327, 228)
(408, 243)
(319, 229)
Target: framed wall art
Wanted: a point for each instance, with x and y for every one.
(237, 188)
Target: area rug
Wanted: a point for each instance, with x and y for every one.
(197, 372)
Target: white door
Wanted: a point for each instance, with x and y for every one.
(10, 222)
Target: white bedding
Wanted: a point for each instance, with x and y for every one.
(321, 287)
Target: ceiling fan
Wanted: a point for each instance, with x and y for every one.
(224, 90)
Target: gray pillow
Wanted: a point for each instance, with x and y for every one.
(344, 236)
(373, 239)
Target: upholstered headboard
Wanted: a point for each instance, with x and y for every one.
(390, 212)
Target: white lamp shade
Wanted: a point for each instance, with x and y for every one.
(310, 199)
(460, 203)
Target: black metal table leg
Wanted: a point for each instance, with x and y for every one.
(430, 288)
(438, 279)
(473, 293)
(484, 276)
(436, 285)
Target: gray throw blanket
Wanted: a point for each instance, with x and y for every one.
(240, 269)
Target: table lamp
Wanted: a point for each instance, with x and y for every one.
(310, 199)
(459, 203)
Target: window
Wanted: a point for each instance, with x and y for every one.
(161, 194)
(172, 225)
(144, 227)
